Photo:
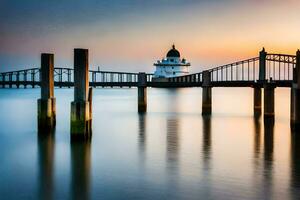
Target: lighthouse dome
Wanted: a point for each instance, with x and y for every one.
(173, 52)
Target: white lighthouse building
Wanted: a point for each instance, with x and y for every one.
(171, 66)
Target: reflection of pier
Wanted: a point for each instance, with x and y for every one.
(295, 164)
(172, 152)
(257, 137)
(268, 157)
(172, 140)
(46, 144)
(81, 166)
(206, 121)
(268, 144)
(142, 132)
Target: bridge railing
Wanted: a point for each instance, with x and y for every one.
(279, 67)
(191, 78)
(107, 76)
(65, 77)
(245, 70)
(28, 76)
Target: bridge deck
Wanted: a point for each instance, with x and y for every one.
(282, 83)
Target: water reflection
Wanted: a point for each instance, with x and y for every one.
(81, 166)
(257, 138)
(142, 132)
(268, 144)
(206, 146)
(172, 130)
(172, 141)
(268, 157)
(295, 164)
(46, 145)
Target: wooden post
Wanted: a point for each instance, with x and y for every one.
(257, 101)
(46, 104)
(80, 107)
(269, 103)
(142, 92)
(295, 96)
(262, 65)
(206, 93)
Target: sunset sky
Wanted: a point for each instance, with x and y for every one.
(130, 35)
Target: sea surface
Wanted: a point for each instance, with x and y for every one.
(171, 152)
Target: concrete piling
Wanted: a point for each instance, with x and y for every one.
(46, 104)
(80, 107)
(257, 101)
(206, 94)
(142, 92)
(295, 96)
(262, 65)
(295, 108)
(269, 102)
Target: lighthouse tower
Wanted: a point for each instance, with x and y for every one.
(171, 66)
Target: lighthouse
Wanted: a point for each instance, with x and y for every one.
(171, 66)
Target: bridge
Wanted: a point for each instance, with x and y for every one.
(266, 71)
(278, 68)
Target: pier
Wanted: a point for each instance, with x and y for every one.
(263, 74)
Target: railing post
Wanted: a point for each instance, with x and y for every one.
(94, 78)
(206, 93)
(32, 77)
(3, 80)
(80, 107)
(69, 78)
(262, 65)
(142, 92)
(10, 79)
(46, 104)
(257, 101)
(269, 101)
(18, 79)
(60, 75)
(25, 78)
(295, 96)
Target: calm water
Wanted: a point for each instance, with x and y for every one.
(171, 152)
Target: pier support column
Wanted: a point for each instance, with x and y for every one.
(206, 101)
(269, 103)
(257, 101)
(295, 108)
(206, 94)
(81, 119)
(262, 65)
(46, 104)
(142, 92)
(295, 96)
